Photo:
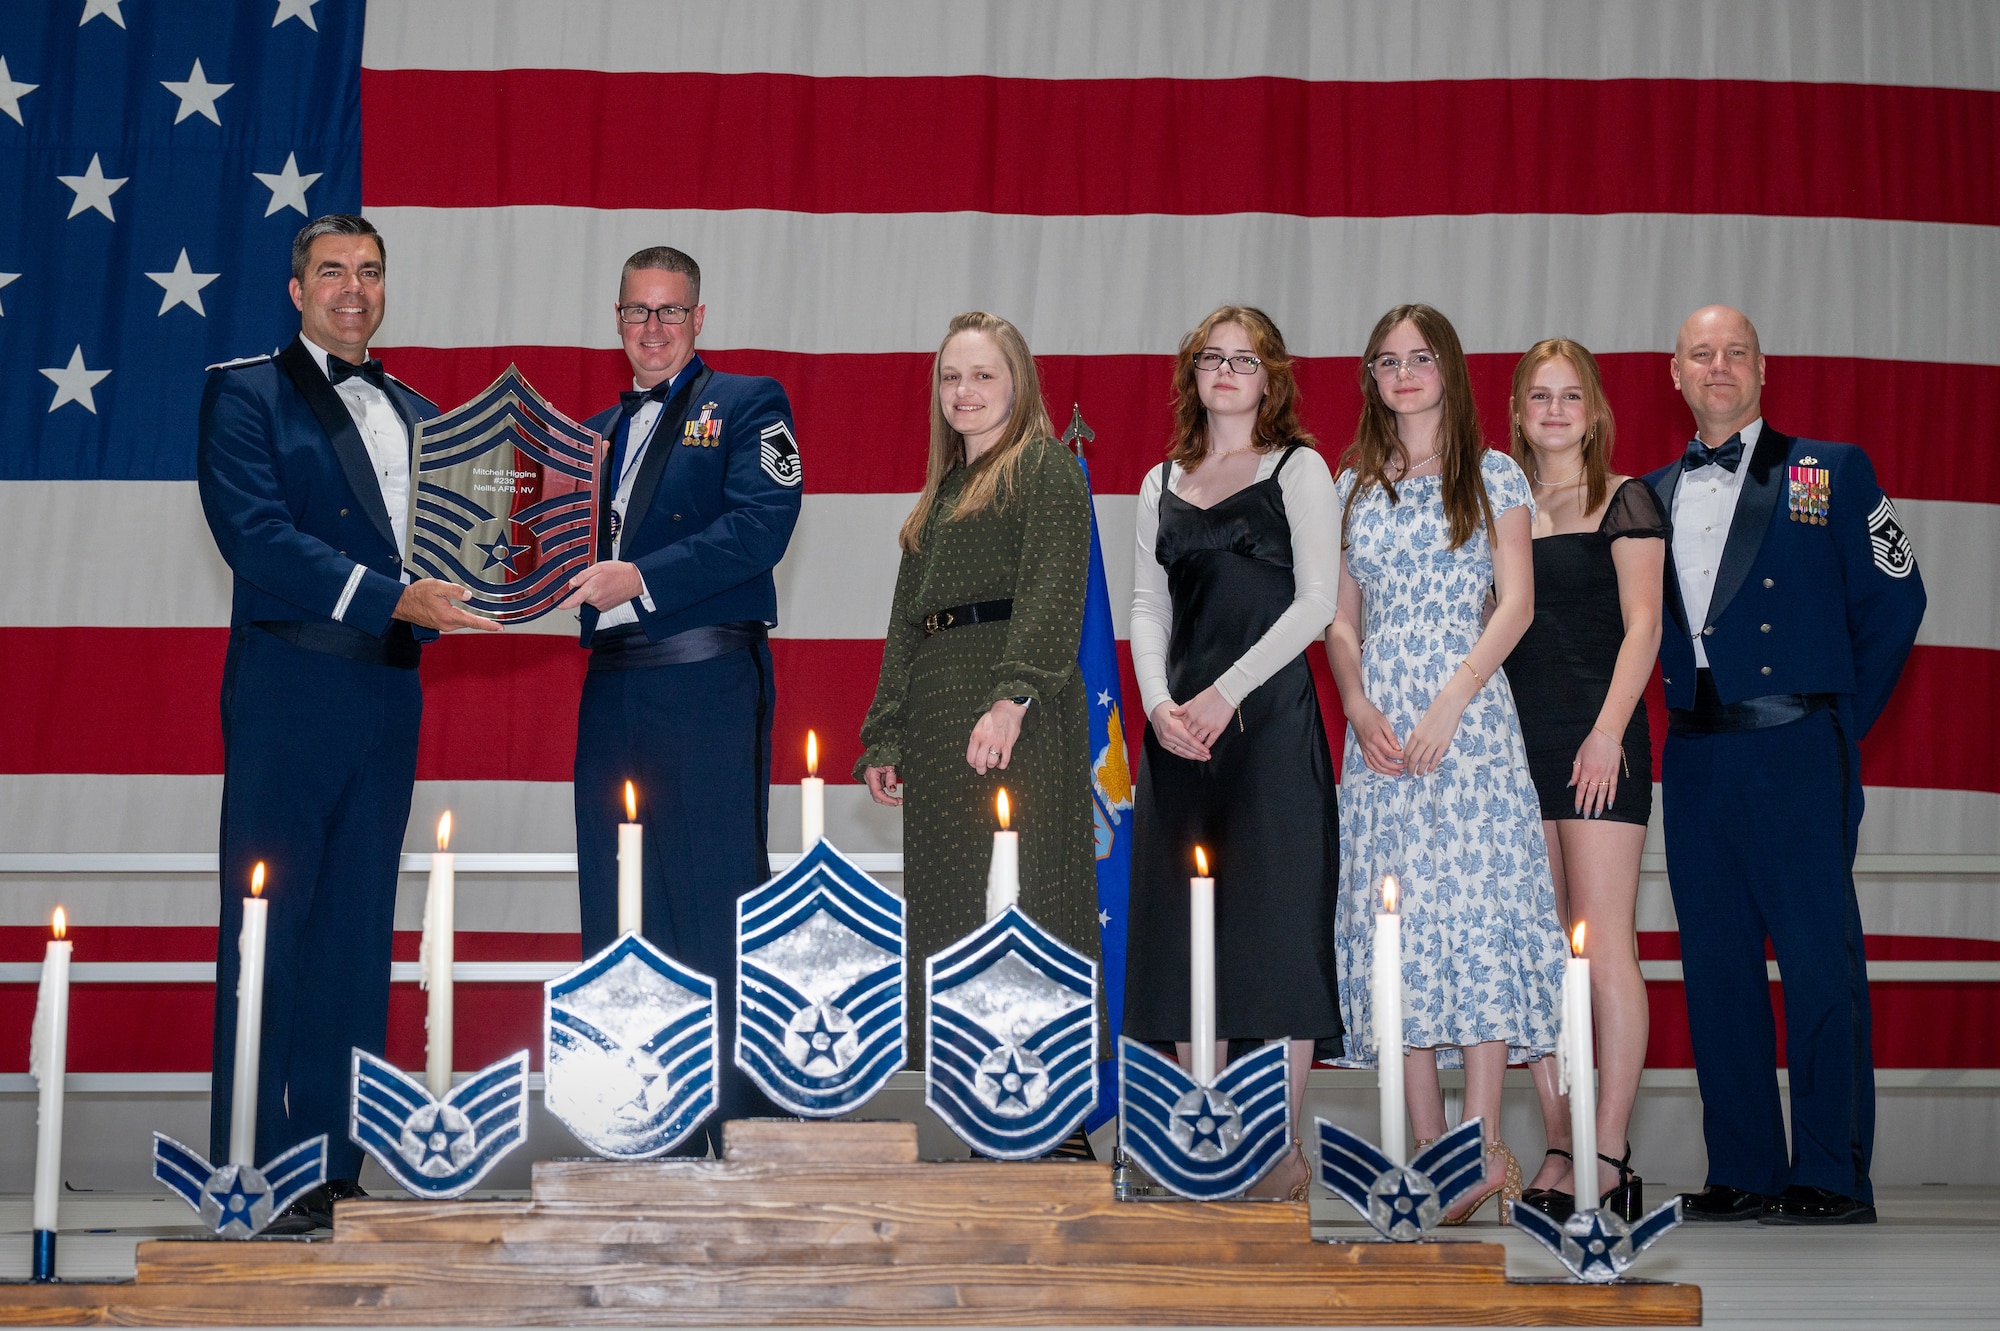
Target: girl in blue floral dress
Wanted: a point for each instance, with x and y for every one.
(1435, 786)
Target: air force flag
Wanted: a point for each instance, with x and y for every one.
(1012, 1031)
(438, 1149)
(821, 991)
(1207, 1143)
(630, 1052)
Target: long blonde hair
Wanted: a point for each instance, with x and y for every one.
(993, 475)
(1466, 507)
(1598, 431)
(1277, 415)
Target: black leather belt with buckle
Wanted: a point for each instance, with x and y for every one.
(958, 616)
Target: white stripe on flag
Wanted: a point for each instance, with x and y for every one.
(813, 282)
(1942, 44)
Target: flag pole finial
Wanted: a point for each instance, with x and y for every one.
(1078, 434)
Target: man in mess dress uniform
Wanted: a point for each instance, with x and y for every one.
(703, 483)
(304, 469)
(1793, 599)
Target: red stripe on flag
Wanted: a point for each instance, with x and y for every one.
(503, 708)
(1126, 400)
(1061, 147)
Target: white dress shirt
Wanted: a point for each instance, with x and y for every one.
(1704, 507)
(388, 444)
(644, 421)
(1313, 513)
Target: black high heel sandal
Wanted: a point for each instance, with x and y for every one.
(1552, 1202)
(1627, 1200)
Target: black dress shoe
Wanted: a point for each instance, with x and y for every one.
(1720, 1202)
(1801, 1204)
(314, 1210)
(291, 1222)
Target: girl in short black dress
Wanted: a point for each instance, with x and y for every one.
(1577, 675)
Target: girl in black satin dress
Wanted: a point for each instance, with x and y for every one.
(1237, 567)
(1577, 676)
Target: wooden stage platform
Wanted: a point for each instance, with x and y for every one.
(772, 1234)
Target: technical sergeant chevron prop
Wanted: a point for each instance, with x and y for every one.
(1207, 1143)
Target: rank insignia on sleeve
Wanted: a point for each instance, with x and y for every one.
(779, 454)
(1889, 543)
(1810, 493)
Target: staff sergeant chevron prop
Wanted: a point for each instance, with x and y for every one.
(438, 1149)
(1598, 1246)
(504, 500)
(1403, 1202)
(1207, 1143)
(821, 985)
(629, 1055)
(237, 1201)
(1012, 1032)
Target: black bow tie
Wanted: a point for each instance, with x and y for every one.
(340, 371)
(629, 403)
(1728, 455)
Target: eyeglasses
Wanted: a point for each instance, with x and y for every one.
(1420, 364)
(638, 314)
(1215, 360)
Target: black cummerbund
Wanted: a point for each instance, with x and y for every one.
(1711, 716)
(629, 650)
(399, 648)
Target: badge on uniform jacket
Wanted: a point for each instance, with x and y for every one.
(705, 431)
(779, 454)
(1810, 494)
(1889, 543)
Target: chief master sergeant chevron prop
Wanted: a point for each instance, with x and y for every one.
(438, 1149)
(1012, 1032)
(821, 985)
(1207, 1143)
(629, 1060)
(237, 1201)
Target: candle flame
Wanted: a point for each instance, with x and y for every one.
(1200, 862)
(1390, 891)
(444, 831)
(1006, 809)
(60, 923)
(812, 754)
(1576, 940)
(257, 880)
(631, 804)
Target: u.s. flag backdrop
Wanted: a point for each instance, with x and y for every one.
(850, 174)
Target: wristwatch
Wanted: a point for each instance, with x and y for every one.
(1021, 702)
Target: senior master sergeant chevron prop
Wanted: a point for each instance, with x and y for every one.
(821, 987)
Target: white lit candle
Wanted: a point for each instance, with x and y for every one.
(434, 961)
(1580, 1057)
(1201, 970)
(47, 1056)
(631, 892)
(1386, 998)
(249, 1021)
(1003, 875)
(812, 798)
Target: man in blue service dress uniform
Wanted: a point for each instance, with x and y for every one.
(704, 492)
(304, 469)
(1797, 598)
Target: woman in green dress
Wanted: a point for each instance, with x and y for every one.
(979, 686)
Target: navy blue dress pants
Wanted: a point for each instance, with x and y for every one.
(695, 740)
(319, 761)
(1760, 831)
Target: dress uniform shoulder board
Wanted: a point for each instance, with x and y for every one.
(242, 361)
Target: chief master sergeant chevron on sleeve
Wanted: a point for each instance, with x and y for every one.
(704, 482)
(303, 463)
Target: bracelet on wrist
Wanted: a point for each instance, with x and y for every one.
(1474, 673)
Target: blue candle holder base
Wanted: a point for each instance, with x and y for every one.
(45, 1257)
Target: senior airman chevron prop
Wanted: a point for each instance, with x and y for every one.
(629, 1055)
(821, 985)
(1012, 1030)
(237, 1201)
(438, 1149)
(1207, 1143)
